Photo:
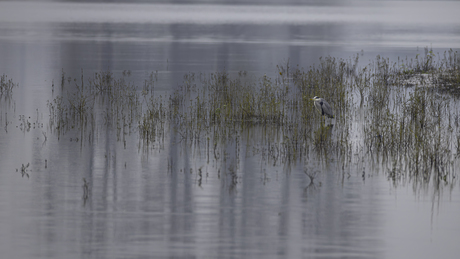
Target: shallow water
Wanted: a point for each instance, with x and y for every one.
(154, 203)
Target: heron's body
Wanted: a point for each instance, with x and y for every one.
(323, 107)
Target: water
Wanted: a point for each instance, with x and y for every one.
(142, 206)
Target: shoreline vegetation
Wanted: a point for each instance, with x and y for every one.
(402, 115)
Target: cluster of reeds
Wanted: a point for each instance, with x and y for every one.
(413, 126)
(6, 86)
(395, 112)
(439, 70)
(6, 100)
(84, 103)
(220, 108)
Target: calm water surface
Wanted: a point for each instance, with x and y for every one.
(142, 206)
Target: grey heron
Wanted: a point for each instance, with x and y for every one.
(323, 107)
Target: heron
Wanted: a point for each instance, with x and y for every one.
(323, 107)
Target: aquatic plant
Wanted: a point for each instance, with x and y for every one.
(6, 86)
(395, 113)
(81, 103)
(24, 170)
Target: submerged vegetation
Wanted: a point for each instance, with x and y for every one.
(402, 116)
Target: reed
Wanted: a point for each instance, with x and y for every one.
(6, 86)
(403, 114)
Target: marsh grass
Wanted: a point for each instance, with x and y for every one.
(84, 104)
(7, 104)
(414, 125)
(395, 114)
(6, 86)
(223, 107)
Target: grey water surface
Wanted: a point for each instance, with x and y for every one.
(139, 204)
